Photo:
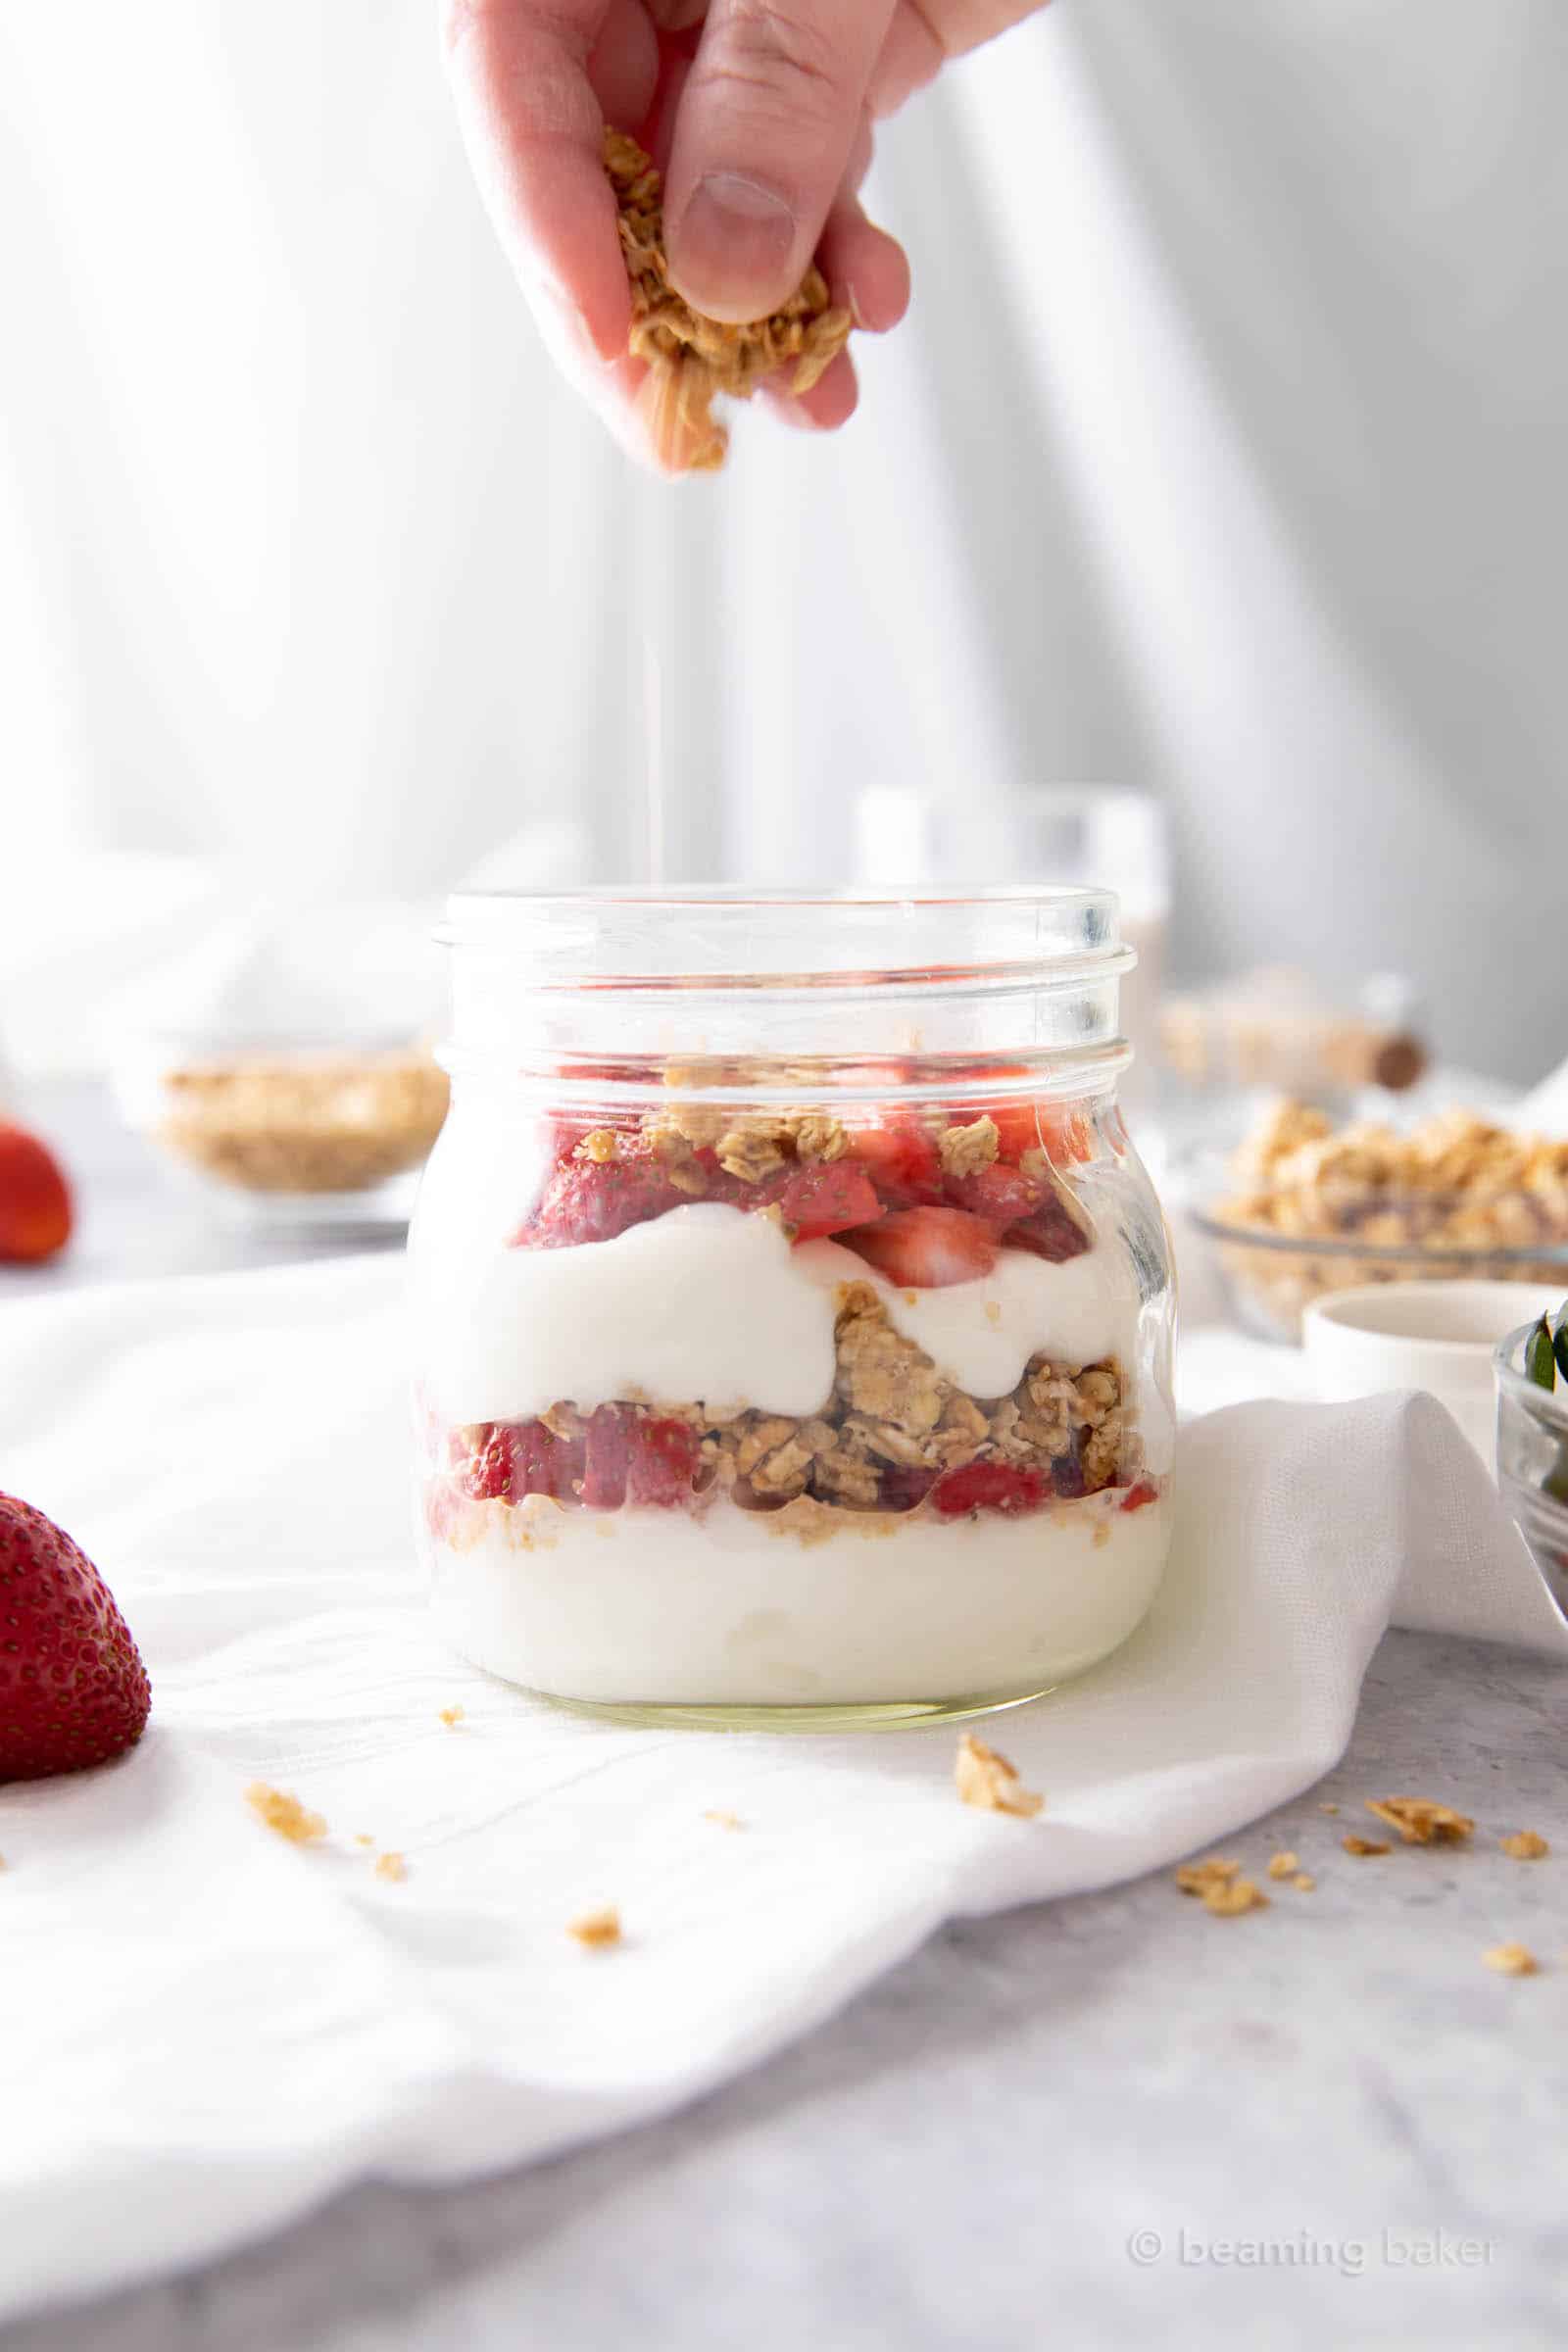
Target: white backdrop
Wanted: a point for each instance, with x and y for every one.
(1222, 452)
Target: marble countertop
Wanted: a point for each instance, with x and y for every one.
(1325, 2122)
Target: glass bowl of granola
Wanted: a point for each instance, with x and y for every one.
(793, 1314)
(1303, 1208)
(290, 1130)
(1532, 1368)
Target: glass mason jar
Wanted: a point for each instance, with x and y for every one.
(793, 1315)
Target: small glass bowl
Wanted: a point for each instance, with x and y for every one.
(1532, 1460)
(1270, 1278)
(290, 1132)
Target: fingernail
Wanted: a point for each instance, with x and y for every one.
(732, 247)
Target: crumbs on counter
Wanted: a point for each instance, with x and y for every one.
(1512, 1960)
(1525, 1845)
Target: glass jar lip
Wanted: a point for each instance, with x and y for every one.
(1542, 1405)
(802, 937)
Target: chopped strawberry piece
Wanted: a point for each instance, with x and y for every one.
(989, 1487)
(820, 1197)
(485, 1465)
(1053, 1232)
(545, 1464)
(1001, 1193)
(1063, 1131)
(903, 1487)
(927, 1248)
(592, 1200)
(1136, 1498)
(661, 1463)
(902, 1160)
(609, 1451)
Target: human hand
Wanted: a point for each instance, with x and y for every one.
(759, 112)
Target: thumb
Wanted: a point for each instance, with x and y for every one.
(763, 131)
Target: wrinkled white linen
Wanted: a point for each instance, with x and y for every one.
(222, 2029)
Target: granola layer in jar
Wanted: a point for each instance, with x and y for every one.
(793, 1313)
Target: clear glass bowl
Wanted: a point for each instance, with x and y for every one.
(1270, 1278)
(288, 1130)
(794, 1316)
(1532, 1460)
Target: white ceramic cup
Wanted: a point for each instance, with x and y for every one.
(1438, 1336)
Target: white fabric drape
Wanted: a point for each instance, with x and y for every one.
(1221, 453)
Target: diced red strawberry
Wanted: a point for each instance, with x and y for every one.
(901, 1159)
(485, 1461)
(545, 1464)
(989, 1487)
(608, 1452)
(1063, 1131)
(927, 1248)
(1051, 1232)
(820, 1197)
(1136, 1497)
(1000, 1194)
(903, 1487)
(661, 1463)
(593, 1201)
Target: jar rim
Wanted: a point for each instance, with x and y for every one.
(802, 936)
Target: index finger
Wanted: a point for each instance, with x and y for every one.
(534, 130)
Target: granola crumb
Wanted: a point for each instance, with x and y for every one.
(1199, 1878)
(1526, 1846)
(1303, 1882)
(1328, 1808)
(598, 1145)
(452, 1717)
(391, 1866)
(1512, 1960)
(1230, 1898)
(1284, 1865)
(597, 1927)
(992, 1311)
(988, 1779)
(1420, 1822)
(723, 1819)
(362, 1838)
(285, 1814)
(965, 1151)
(1365, 1845)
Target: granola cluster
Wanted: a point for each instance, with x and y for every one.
(1457, 1186)
(892, 1409)
(305, 1122)
(692, 358)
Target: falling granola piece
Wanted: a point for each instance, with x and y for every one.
(1512, 1960)
(692, 358)
(1364, 1846)
(1284, 1865)
(988, 1779)
(1231, 1899)
(362, 1838)
(597, 1927)
(723, 1819)
(1420, 1822)
(1526, 1846)
(1303, 1882)
(391, 1866)
(452, 1717)
(285, 1814)
(1202, 1878)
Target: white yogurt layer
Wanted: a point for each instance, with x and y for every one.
(653, 1607)
(708, 1304)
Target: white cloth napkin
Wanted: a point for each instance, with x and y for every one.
(210, 2030)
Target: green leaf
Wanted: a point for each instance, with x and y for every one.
(1540, 1364)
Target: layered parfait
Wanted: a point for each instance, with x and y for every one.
(848, 1402)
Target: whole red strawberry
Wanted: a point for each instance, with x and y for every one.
(35, 1212)
(74, 1690)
